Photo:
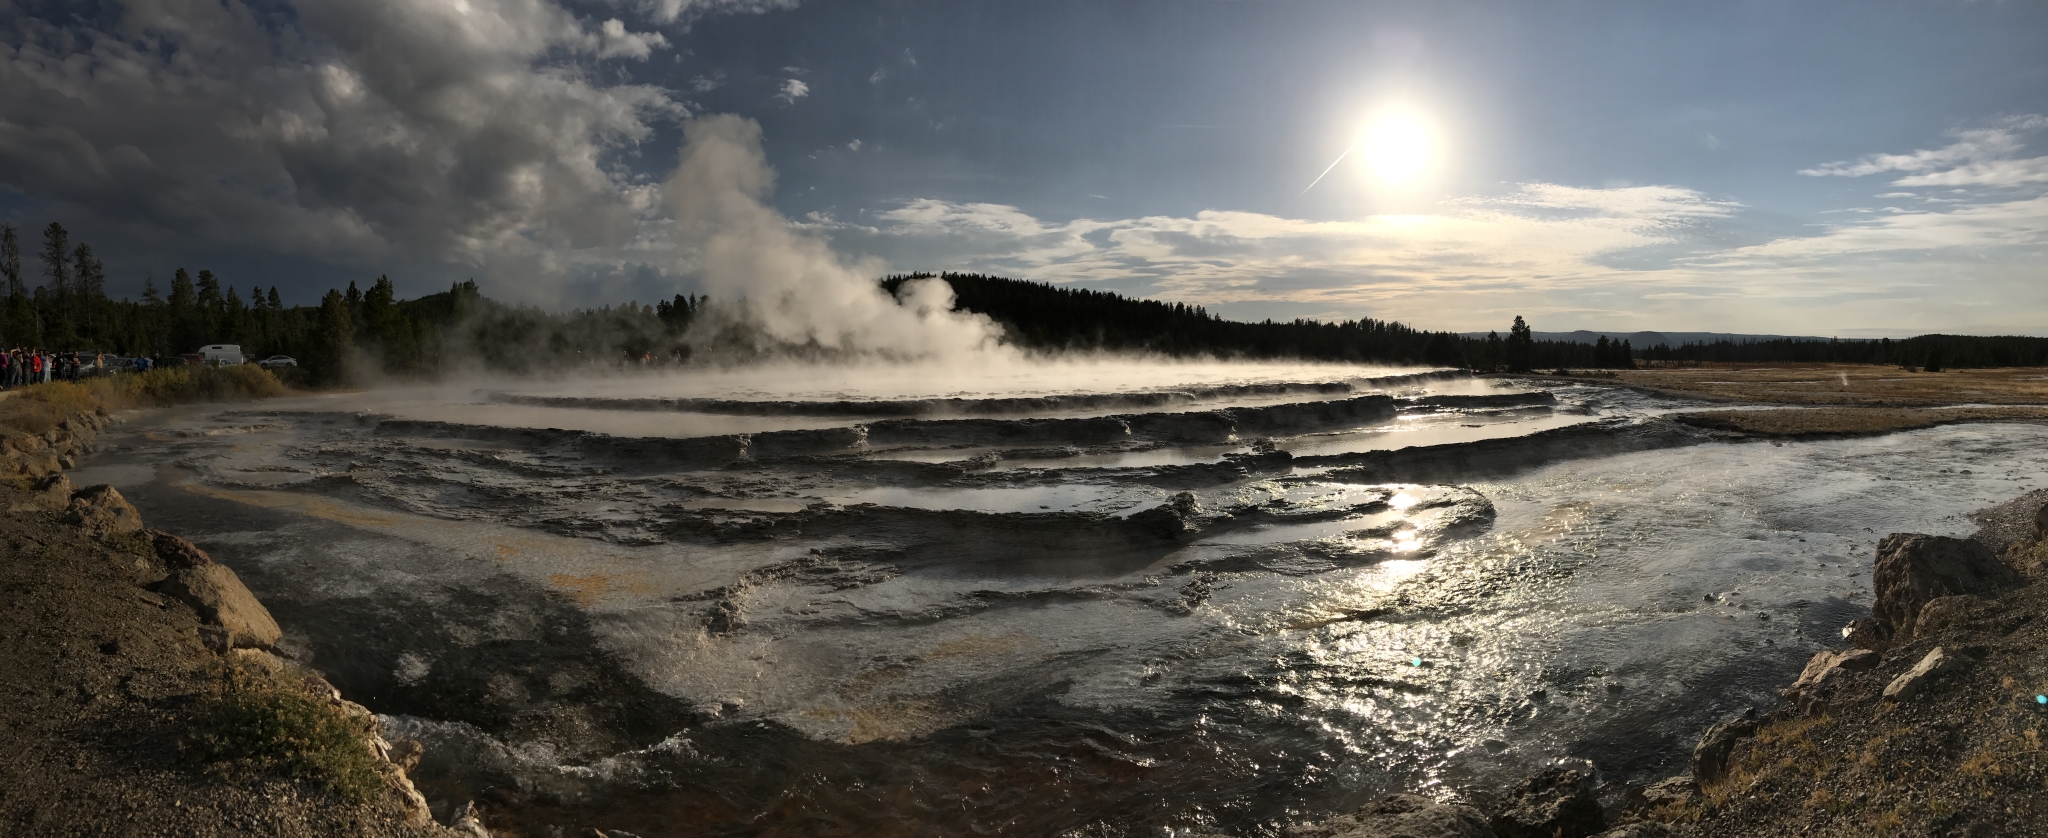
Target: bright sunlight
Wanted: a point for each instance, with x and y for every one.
(1397, 147)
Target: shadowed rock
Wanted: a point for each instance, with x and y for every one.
(1914, 569)
(1710, 756)
(223, 601)
(175, 552)
(1402, 816)
(1556, 803)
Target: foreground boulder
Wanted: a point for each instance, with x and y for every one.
(1556, 803)
(1916, 680)
(1710, 756)
(1672, 793)
(101, 511)
(1822, 669)
(1914, 569)
(224, 604)
(175, 552)
(1402, 816)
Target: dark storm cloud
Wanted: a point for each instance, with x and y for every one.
(366, 132)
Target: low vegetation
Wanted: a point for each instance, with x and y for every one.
(255, 722)
(36, 408)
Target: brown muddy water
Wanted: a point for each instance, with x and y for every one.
(1100, 600)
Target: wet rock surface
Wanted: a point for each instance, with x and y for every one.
(1403, 816)
(1557, 803)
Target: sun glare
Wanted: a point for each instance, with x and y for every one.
(1397, 147)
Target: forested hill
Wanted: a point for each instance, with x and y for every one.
(1048, 317)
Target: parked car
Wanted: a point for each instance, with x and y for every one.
(275, 361)
(191, 358)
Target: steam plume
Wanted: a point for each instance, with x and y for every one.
(791, 288)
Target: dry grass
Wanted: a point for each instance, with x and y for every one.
(1846, 421)
(1848, 384)
(39, 407)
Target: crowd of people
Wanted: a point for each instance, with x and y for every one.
(32, 366)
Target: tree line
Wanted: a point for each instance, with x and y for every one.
(1930, 352)
(354, 333)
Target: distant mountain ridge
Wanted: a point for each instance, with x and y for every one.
(1645, 340)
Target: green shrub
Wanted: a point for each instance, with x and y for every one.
(254, 723)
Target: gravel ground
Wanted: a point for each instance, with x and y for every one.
(98, 678)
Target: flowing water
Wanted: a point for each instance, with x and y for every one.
(1092, 599)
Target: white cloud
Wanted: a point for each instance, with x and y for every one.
(1979, 157)
(878, 76)
(853, 146)
(1624, 257)
(615, 42)
(686, 11)
(792, 90)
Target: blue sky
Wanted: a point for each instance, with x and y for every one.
(1852, 168)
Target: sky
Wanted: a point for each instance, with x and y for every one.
(1859, 168)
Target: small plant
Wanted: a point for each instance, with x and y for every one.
(252, 723)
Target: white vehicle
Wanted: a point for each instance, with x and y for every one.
(221, 354)
(276, 361)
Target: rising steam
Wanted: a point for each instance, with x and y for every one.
(789, 288)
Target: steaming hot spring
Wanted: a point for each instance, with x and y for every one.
(1027, 599)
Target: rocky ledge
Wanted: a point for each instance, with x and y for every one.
(140, 690)
(1928, 721)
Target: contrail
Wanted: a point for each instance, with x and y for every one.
(1326, 172)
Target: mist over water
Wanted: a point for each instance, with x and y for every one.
(1097, 596)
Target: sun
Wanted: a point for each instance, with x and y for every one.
(1397, 147)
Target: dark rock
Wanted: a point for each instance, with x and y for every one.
(1916, 680)
(175, 552)
(1870, 633)
(1402, 816)
(1942, 612)
(1710, 756)
(1673, 793)
(1643, 829)
(468, 822)
(1176, 517)
(1556, 803)
(2041, 523)
(406, 753)
(1914, 569)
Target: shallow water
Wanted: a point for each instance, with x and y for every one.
(1027, 633)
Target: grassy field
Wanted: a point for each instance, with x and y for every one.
(1852, 421)
(1847, 385)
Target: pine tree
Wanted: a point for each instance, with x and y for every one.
(10, 260)
(186, 326)
(1521, 346)
(56, 246)
(334, 340)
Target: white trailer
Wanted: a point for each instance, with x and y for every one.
(219, 354)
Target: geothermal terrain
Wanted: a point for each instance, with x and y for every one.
(1087, 598)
